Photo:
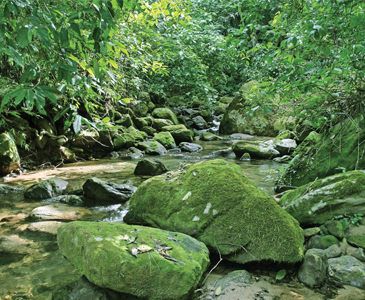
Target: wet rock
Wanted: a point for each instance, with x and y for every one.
(85, 290)
(58, 212)
(150, 167)
(166, 139)
(190, 147)
(322, 241)
(285, 146)
(9, 156)
(165, 113)
(86, 139)
(13, 218)
(107, 193)
(152, 148)
(208, 136)
(308, 232)
(333, 251)
(257, 149)
(322, 200)
(359, 254)
(223, 153)
(335, 228)
(66, 199)
(7, 189)
(356, 240)
(118, 142)
(134, 153)
(13, 248)
(113, 154)
(216, 203)
(46, 189)
(142, 261)
(180, 133)
(199, 123)
(313, 270)
(245, 157)
(347, 270)
(241, 136)
(284, 159)
(49, 227)
(125, 121)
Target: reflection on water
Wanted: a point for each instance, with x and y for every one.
(40, 271)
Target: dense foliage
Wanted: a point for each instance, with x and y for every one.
(59, 56)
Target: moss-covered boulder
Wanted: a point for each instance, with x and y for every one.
(125, 121)
(158, 124)
(46, 189)
(347, 270)
(166, 139)
(119, 142)
(180, 133)
(86, 139)
(199, 123)
(140, 122)
(146, 262)
(318, 202)
(320, 155)
(256, 149)
(140, 108)
(152, 148)
(9, 156)
(322, 241)
(208, 136)
(165, 113)
(150, 167)
(216, 203)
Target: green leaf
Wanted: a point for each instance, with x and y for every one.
(29, 98)
(75, 27)
(64, 37)
(77, 124)
(19, 98)
(48, 92)
(2, 32)
(60, 114)
(40, 102)
(22, 37)
(16, 57)
(280, 275)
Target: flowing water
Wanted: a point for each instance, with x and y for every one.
(34, 268)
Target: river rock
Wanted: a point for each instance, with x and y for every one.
(150, 167)
(13, 248)
(325, 154)
(146, 262)
(86, 139)
(160, 123)
(356, 240)
(347, 270)
(45, 227)
(165, 139)
(322, 241)
(333, 251)
(313, 270)
(152, 148)
(134, 153)
(58, 212)
(7, 189)
(208, 136)
(335, 228)
(256, 149)
(359, 254)
(107, 193)
(318, 202)
(9, 156)
(85, 290)
(149, 130)
(285, 146)
(118, 142)
(165, 113)
(241, 136)
(216, 203)
(140, 108)
(199, 123)
(190, 147)
(308, 232)
(180, 133)
(46, 189)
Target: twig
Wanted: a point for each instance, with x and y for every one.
(216, 265)
(307, 190)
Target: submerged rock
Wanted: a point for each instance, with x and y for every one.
(46, 189)
(107, 193)
(146, 262)
(318, 202)
(208, 136)
(58, 212)
(150, 167)
(216, 203)
(190, 147)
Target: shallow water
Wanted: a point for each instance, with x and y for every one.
(38, 270)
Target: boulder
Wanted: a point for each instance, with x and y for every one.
(166, 139)
(58, 212)
(325, 154)
(165, 113)
(322, 200)
(158, 124)
(356, 240)
(322, 241)
(333, 251)
(140, 108)
(150, 167)
(208, 136)
(152, 148)
(180, 133)
(86, 139)
(118, 142)
(359, 254)
(285, 146)
(107, 193)
(67, 154)
(199, 123)
(313, 270)
(190, 147)
(46, 189)
(9, 156)
(347, 270)
(216, 203)
(125, 121)
(149, 130)
(140, 123)
(256, 149)
(146, 262)
(134, 153)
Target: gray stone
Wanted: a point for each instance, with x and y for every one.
(359, 254)
(208, 136)
(335, 228)
(107, 193)
(46, 189)
(313, 270)
(347, 270)
(199, 123)
(256, 149)
(285, 146)
(308, 232)
(134, 153)
(150, 167)
(322, 241)
(190, 147)
(58, 212)
(333, 251)
(152, 148)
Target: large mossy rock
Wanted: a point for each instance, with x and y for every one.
(9, 156)
(166, 139)
(150, 167)
(165, 113)
(236, 118)
(347, 270)
(86, 139)
(318, 202)
(46, 189)
(134, 259)
(256, 149)
(325, 154)
(216, 203)
(152, 148)
(107, 193)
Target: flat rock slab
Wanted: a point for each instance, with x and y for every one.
(58, 212)
(347, 270)
(145, 262)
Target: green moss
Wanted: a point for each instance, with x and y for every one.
(216, 203)
(357, 240)
(166, 139)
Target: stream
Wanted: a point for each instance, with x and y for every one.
(37, 270)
